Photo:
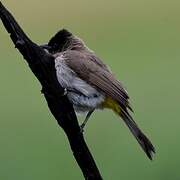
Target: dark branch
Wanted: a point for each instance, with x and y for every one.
(43, 67)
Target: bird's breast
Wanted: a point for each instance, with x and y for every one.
(83, 96)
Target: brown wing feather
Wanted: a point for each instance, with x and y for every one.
(96, 75)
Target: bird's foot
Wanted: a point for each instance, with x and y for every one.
(82, 128)
(65, 92)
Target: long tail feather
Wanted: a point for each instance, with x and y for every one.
(144, 142)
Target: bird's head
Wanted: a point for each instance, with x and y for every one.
(62, 41)
(59, 42)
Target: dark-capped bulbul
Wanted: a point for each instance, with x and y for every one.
(90, 84)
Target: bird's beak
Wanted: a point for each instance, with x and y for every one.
(45, 46)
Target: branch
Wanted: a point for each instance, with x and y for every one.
(43, 66)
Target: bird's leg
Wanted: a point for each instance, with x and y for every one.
(86, 120)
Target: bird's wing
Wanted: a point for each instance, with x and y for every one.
(105, 81)
(99, 77)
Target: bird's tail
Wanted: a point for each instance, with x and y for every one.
(144, 142)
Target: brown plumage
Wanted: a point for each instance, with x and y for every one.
(89, 68)
(95, 75)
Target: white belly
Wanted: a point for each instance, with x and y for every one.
(83, 96)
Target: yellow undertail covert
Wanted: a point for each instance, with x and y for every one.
(111, 104)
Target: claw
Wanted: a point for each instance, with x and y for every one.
(65, 92)
(82, 128)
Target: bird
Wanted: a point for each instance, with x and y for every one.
(90, 84)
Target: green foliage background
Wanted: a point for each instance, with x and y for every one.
(140, 41)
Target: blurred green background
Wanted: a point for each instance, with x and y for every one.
(140, 41)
